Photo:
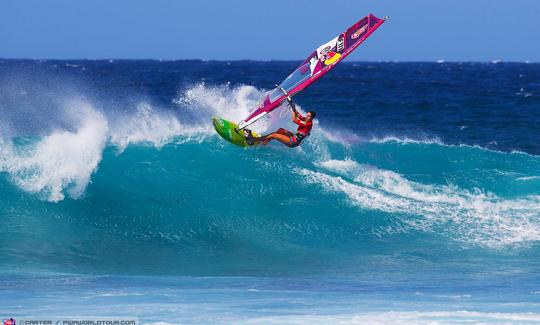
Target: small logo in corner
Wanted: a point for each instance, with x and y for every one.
(9, 321)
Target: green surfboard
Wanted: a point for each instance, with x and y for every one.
(230, 132)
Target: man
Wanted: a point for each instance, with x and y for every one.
(305, 123)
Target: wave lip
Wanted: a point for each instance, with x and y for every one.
(477, 217)
(145, 126)
(64, 160)
(405, 140)
(434, 140)
(61, 160)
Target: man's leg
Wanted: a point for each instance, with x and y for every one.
(285, 132)
(279, 137)
(267, 138)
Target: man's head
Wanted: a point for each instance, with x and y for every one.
(310, 116)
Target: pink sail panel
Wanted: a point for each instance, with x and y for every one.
(322, 60)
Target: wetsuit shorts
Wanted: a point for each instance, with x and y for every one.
(296, 140)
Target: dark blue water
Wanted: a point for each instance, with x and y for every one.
(418, 192)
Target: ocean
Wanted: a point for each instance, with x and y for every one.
(416, 199)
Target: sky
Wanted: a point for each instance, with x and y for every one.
(418, 30)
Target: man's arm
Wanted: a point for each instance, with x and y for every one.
(293, 108)
(296, 116)
(298, 119)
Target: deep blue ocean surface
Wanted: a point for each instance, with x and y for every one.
(416, 199)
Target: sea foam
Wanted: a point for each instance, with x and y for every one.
(62, 160)
(477, 216)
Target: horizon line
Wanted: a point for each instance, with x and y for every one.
(440, 61)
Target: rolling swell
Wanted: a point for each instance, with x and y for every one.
(155, 190)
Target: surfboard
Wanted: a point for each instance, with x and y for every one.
(231, 132)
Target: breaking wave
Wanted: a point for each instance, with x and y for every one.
(198, 193)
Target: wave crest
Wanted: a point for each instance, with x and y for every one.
(478, 217)
(63, 160)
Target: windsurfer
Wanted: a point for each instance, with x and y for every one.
(305, 123)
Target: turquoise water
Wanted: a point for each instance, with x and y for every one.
(117, 197)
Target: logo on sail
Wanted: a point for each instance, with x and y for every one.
(331, 58)
(325, 50)
(340, 44)
(359, 32)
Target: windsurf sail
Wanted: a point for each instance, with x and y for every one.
(322, 60)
